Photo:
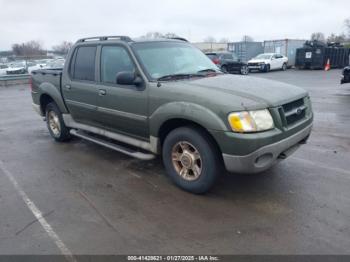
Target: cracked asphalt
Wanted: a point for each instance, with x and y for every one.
(102, 202)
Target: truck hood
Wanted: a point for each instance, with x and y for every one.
(14, 69)
(244, 91)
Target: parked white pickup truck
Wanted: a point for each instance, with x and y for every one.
(268, 61)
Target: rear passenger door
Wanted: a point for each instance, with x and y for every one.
(79, 87)
(121, 108)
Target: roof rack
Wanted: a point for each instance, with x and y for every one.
(178, 38)
(105, 38)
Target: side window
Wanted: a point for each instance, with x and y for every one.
(114, 59)
(279, 56)
(84, 67)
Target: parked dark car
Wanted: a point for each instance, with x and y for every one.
(228, 62)
(345, 75)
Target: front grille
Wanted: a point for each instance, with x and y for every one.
(294, 111)
(253, 64)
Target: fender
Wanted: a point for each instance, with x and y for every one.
(188, 111)
(52, 91)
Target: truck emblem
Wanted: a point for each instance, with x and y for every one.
(299, 111)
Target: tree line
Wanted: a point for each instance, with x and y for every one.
(34, 48)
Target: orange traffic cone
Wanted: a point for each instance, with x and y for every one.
(328, 65)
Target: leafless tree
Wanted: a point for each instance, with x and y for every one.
(336, 38)
(247, 38)
(224, 40)
(63, 47)
(209, 39)
(318, 36)
(347, 26)
(155, 35)
(31, 48)
(170, 35)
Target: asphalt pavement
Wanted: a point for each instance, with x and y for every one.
(81, 198)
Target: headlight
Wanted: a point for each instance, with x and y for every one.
(250, 121)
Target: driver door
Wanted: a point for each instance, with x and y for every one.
(121, 108)
(274, 62)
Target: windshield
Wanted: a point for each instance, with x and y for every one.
(169, 58)
(234, 56)
(17, 64)
(263, 56)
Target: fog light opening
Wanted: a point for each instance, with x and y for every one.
(263, 160)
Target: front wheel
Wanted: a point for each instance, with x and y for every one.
(191, 159)
(55, 123)
(267, 68)
(244, 70)
(224, 69)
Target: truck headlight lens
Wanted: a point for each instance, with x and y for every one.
(250, 121)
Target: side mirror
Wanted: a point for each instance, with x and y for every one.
(128, 78)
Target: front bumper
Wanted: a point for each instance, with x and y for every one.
(257, 67)
(263, 158)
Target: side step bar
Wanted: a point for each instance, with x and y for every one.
(119, 148)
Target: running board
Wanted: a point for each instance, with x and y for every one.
(119, 148)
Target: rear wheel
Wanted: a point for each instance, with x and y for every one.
(284, 67)
(191, 159)
(55, 123)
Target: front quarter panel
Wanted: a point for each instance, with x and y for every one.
(188, 111)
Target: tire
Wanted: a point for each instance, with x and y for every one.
(267, 68)
(199, 162)
(224, 69)
(284, 67)
(55, 123)
(244, 70)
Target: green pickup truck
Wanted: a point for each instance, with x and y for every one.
(165, 97)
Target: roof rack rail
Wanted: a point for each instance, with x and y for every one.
(178, 38)
(105, 38)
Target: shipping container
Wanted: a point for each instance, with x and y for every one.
(314, 55)
(286, 47)
(246, 50)
(210, 47)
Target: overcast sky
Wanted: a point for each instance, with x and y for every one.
(52, 21)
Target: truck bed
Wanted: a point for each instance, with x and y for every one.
(51, 76)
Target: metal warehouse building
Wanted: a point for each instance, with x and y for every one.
(286, 47)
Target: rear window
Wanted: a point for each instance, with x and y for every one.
(84, 67)
(227, 56)
(211, 56)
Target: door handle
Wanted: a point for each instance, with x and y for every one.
(68, 87)
(102, 92)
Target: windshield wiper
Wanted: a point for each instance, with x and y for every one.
(208, 70)
(178, 76)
